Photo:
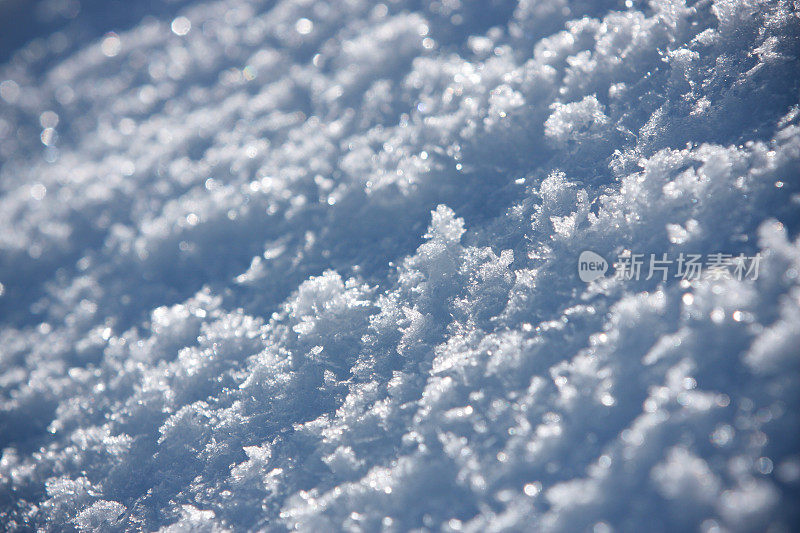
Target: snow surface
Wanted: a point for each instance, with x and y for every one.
(293, 264)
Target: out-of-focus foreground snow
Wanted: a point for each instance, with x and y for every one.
(275, 265)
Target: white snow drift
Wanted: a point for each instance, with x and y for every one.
(269, 266)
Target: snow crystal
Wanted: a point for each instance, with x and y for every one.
(313, 265)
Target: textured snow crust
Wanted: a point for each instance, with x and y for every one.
(308, 265)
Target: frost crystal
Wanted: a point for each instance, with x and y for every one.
(313, 265)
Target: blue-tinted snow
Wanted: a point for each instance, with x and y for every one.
(276, 265)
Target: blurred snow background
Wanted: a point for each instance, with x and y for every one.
(294, 264)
